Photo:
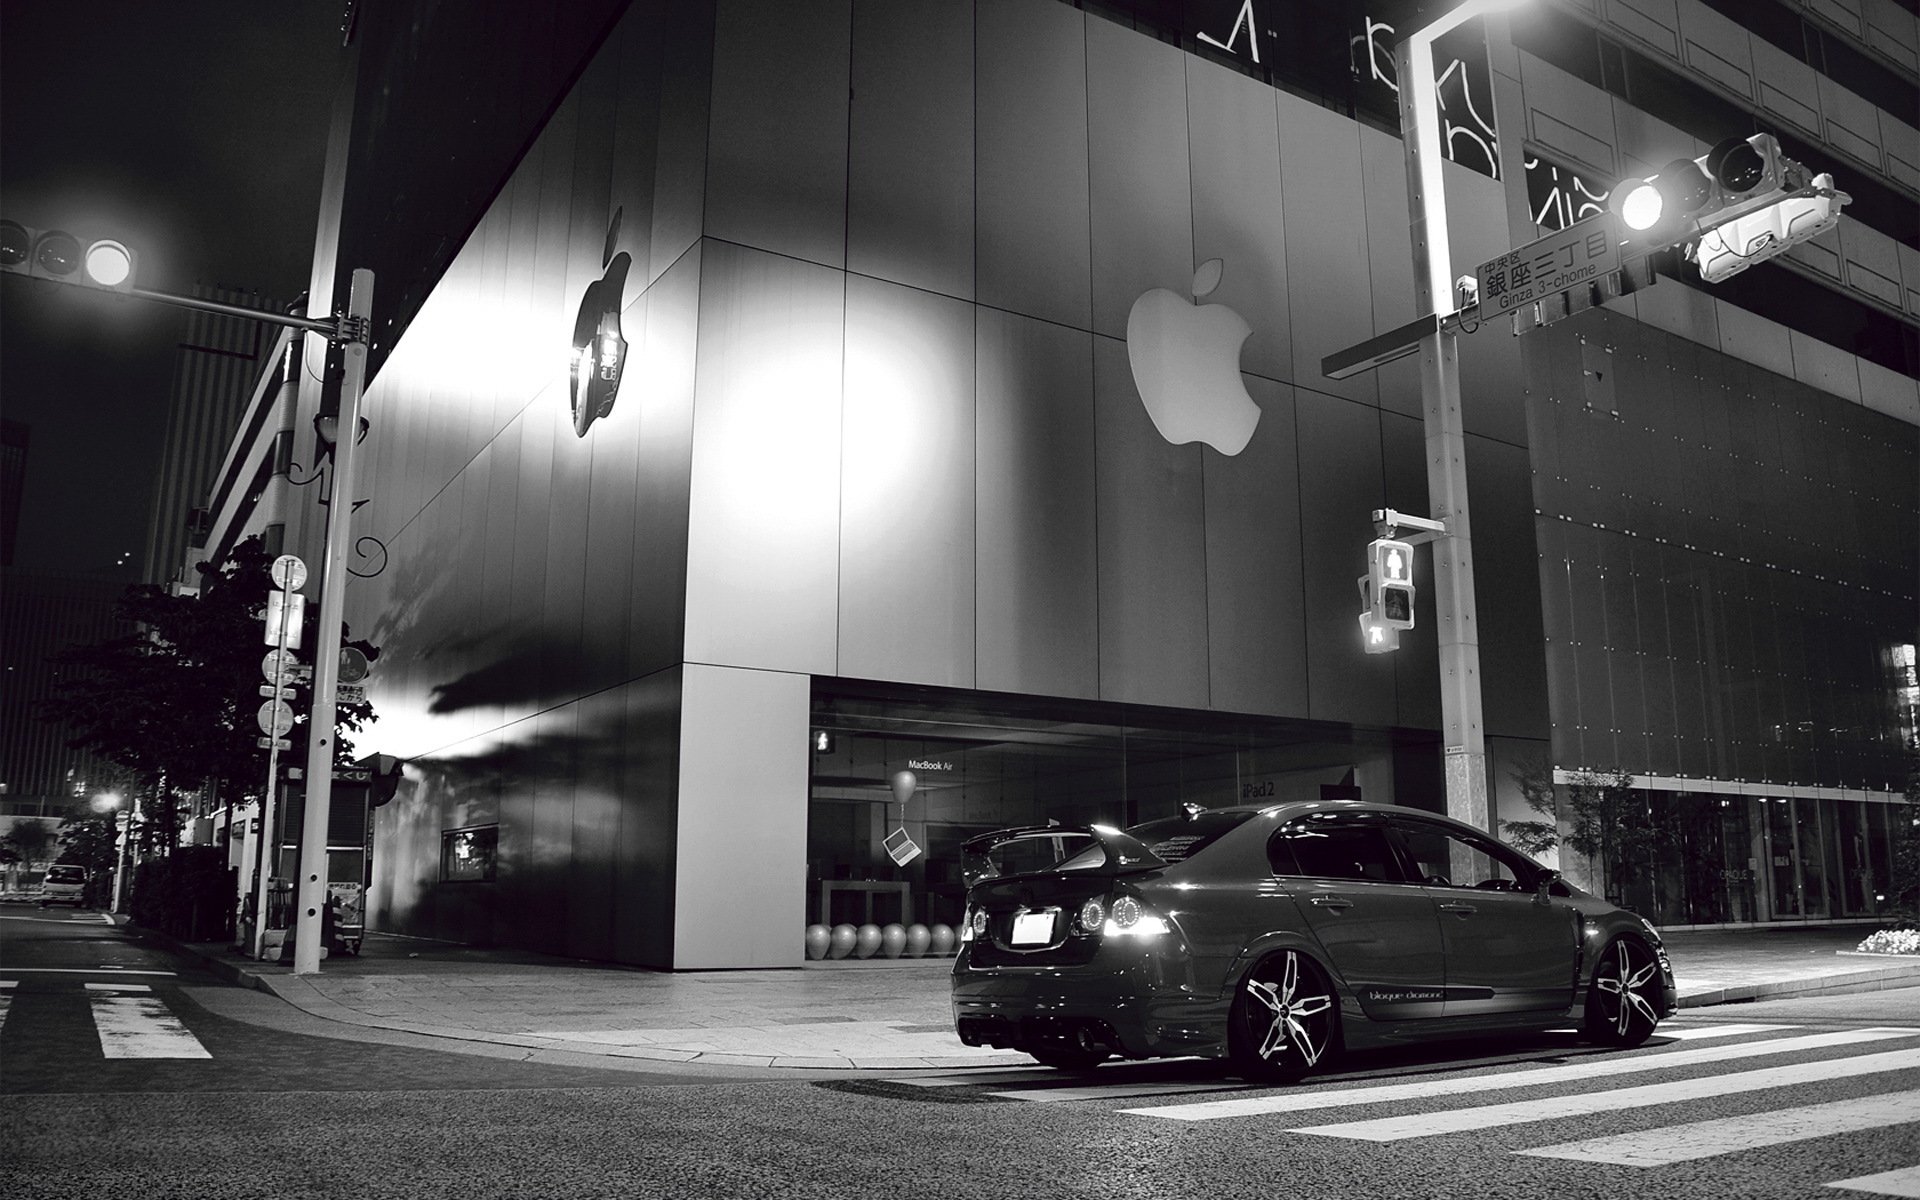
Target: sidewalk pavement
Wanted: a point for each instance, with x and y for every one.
(848, 1015)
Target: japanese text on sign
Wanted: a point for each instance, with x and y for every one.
(1567, 258)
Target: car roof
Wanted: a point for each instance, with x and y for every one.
(1298, 807)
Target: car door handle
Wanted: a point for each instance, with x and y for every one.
(1335, 902)
(1465, 910)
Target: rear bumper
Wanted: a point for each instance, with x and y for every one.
(1127, 1003)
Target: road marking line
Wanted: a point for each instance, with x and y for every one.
(1705, 1139)
(1658, 1060)
(1118, 1091)
(1548, 1108)
(1714, 1031)
(78, 971)
(118, 987)
(1903, 1182)
(141, 1027)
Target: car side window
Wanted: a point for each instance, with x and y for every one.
(1448, 859)
(1335, 850)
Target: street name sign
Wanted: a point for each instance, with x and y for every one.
(267, 743)
(274, 693)
(1581, 254)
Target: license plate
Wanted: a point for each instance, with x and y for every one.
(1032, 929)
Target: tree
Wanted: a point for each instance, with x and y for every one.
(28, 840)
(1613, 824)
(174, 702)
(1906, 846)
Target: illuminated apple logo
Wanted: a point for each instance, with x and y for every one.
(599, 350)
(1186, 363)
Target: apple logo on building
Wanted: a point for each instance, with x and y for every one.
(1186, 364)
(599, 349)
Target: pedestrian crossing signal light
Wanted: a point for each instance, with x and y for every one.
(1390, 583)
(57, 254)
(1377, 638)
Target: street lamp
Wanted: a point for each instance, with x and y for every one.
(1463, 735)
(109, 802)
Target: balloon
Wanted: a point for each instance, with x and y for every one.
(819, 937)
(918, 938)
(904, 783)
(866, 941)
(841, 941)
(941, 939)
(893, 939)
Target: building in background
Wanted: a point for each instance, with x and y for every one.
(213, 375)
(15, 439)
(42, 615)
(877, 536)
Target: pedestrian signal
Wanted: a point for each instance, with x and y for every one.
(1390, 578)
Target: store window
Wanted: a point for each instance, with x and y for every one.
(468, 855)
(902, 777)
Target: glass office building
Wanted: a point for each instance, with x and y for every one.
(877, 491)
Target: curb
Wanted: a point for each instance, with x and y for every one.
(1871, 980)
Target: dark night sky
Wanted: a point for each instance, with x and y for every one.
(195, 131)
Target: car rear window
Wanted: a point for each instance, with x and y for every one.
(66, 875)
(1176, 839)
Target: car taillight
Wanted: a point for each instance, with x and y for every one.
(1090, 916)
(979, 922)
(1130, 918)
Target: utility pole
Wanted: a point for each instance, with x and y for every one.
(321, 734)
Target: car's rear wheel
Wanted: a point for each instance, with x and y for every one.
(1284, 1020)
(1068, 1058)
(1623, 1005)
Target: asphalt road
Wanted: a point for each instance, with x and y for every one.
(1777, 1099)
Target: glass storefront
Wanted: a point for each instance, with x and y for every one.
(1749, 859)
(901, 777)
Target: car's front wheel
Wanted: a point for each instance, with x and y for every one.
(1623, 1003)
(1284, 1020)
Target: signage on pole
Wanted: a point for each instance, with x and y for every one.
(267, 743)
(1580, 254)
(288, 572)
(349, 693)
(280, 664)
(275, 717)
(289, 608)
(273, 693)
(353, 665)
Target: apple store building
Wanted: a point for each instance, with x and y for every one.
(944, 446)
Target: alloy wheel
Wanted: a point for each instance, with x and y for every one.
(1621, 1008)
(1283, 1019)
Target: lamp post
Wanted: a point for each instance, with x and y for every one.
(110, 802)
(1463, 736)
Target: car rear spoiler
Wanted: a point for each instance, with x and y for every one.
(1124, 853)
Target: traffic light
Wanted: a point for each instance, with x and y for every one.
(1729, 249)
(82, 258)
(1691, 195)
(1377, 638)
(1390, 583)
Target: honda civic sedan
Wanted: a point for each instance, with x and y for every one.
(1278, 936)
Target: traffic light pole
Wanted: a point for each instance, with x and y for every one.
(1463, 736)
(321, 732)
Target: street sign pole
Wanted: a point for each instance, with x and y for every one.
(321, 734)
(1463, 738)
(261, 868)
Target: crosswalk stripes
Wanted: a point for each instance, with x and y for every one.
(6, 997)
(1904, 1182)
(1708, 1139)
(1674, 1091)
(1315, 1098)
(134, 1023)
